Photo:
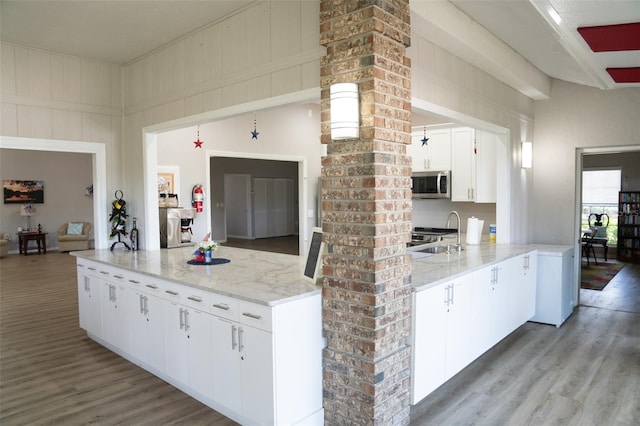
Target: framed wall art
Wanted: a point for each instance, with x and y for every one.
(23, 191)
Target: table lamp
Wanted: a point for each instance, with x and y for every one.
(28, 210)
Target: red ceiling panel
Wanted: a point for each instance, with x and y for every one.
(612, 38)
(625, 75)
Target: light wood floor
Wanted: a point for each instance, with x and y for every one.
(586, 372)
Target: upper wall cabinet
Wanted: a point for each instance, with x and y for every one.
(433, 155)
(473, 166)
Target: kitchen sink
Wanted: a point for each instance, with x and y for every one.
(435, 249)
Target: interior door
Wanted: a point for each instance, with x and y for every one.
(237, 199)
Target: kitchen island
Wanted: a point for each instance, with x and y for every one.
(243, 337)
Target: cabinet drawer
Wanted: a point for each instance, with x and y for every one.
(224, 306)
(258, 316)
(186, 296)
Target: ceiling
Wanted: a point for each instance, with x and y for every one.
(121, 31)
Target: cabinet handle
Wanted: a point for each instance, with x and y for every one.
(250, 315)
(91, 268)
(221, 306)
(141, 304)
(171, 292)
(146, 305)
(181, 318)
(453, 287)
(234, 329)
(195, 298)
(104, 272)
(118, 277)
(186, 320)
(446, 295)
(134, 281)
(87, 287)
(153, 286)
(240, 344)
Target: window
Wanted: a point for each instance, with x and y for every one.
(600, 195)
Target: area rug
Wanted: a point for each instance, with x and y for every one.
(596, 277)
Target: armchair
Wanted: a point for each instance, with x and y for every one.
(73, 237)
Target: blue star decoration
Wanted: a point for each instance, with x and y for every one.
(254, 134)
(424, 141)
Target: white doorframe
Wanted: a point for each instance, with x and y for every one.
(98, 154)
(577, 225)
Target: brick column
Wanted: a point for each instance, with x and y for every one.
(366, 205)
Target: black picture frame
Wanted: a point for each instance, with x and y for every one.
(23, 191)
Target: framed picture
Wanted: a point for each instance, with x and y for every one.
(23, 191)
(166, 183)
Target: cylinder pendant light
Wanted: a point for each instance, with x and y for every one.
(345, 111)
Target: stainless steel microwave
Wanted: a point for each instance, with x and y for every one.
(435, 184)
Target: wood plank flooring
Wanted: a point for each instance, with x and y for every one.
(52, 373)
(585, 373)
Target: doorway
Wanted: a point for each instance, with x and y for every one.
(626, 159)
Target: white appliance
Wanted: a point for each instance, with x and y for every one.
(554, 293)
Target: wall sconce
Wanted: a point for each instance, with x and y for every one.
(345, 111)
(527, 155)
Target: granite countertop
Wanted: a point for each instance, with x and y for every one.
(433, 270)
(274, 278)
(255, 276)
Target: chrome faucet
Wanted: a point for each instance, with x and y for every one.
(455, 213)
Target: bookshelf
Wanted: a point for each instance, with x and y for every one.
(629, 226)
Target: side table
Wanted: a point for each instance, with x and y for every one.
(38, 237)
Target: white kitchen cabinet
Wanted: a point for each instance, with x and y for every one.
(89, 304)
(435, 155)
(188, 347)
(523, 287)
(428, 341)
(459, 323)
(441, 340)
(490, 308)
(246, 360)
(473, 166)
(555, 285)
(146, 312)
(115, 319)
(243, 362)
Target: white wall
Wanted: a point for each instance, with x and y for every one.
(265, 51)
(444, 80)
(290, 131)
(628, 162)
(574, 117)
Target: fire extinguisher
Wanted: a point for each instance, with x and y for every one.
(197, 198)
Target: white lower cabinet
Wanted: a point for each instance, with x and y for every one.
(457, 321)
(428, 370)
(242, 369)
(188, 347)
(523, 277)
(115, 319)
(256, 364)
(146, 312)
(441, 334)
(89, 304)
